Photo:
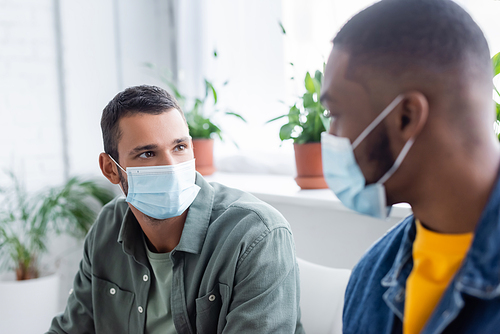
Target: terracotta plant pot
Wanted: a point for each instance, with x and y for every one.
(204, 155)
(309, 166)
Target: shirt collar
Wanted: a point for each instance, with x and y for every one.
(198, 218)
(130, 234)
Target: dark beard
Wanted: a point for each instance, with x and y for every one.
(379, 152)
(123, 182)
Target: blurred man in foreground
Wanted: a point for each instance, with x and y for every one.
(408, 85)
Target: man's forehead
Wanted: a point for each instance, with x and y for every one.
(171, 118)
(144, 128)
(336, 81)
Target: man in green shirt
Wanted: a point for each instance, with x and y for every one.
(177, 255)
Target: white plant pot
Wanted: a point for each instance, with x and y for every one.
(28, 306)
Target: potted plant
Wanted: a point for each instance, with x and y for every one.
(201, 122)
(306, 122)
(203, 129)
(496, 71)
(26, 224)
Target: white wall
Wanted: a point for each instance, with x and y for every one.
(30, 129)
(105, 44)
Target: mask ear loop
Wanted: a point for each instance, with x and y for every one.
(398, 161)
(117, 163)
(377, 121)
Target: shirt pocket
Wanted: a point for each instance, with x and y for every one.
(112, 307)
(211, 310)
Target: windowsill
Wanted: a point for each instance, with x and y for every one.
(283, 189)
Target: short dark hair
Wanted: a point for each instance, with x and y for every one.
(139, 99)
(396, 35)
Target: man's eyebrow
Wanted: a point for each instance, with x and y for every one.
(143, 148)
(181, 140)
(326, 97)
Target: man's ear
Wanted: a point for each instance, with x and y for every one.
(412, 115)
(109, 168)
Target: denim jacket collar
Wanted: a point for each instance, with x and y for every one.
(395, 279)
(193, 233)
(479, 275)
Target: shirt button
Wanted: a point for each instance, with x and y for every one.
(145, 278)
(211, 298)
(112, 291)
(140, 309)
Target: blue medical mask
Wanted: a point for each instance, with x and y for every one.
(162, 192)
(344, 177)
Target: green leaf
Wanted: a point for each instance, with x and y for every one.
(282, 28)
(498, 111)
(210, 87)
(309, 83)
(294, 115)
(236, 115)
(276, 118)
(317, 87)
(318, 76)
(496, 64)
(286, 131)
(326, 122)
(308, 100)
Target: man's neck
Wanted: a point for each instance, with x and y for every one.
(452, 199)
(162, 236)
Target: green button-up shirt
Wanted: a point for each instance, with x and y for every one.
(234, 270)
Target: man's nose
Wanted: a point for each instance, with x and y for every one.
(167, 159)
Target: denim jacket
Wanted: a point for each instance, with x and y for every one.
(375, 295)
(234, 271)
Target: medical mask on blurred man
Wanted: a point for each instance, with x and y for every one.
(162, 191)
(344, 177)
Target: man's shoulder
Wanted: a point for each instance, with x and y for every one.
(231, 202)
(110, 217)
(382, 253)
(365, 284)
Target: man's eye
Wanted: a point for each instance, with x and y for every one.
(147, 154)
(180, 147)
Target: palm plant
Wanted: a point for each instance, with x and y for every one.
(27, 221)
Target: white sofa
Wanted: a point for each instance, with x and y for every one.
(322, 297)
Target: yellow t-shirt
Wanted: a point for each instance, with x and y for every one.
(436, 258)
